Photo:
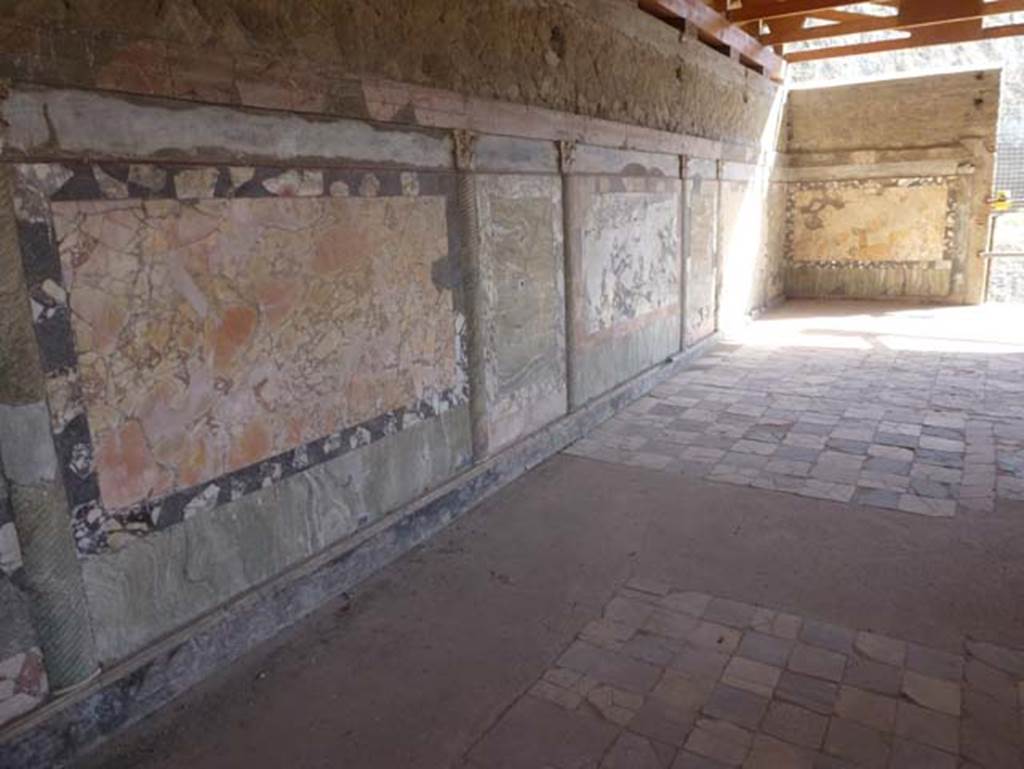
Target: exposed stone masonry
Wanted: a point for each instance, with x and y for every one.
(602, 59)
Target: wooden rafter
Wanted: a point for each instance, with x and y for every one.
(936, 34)
(838, 15)
(775, 9)
(759, 32)
(909, 17)
(718, 30)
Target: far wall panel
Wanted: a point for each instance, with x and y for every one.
(888, 183)
(870, 223)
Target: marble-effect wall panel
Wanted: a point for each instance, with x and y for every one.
(702, 268)
(140, 593)
(209, 331)
(874, 238)
(870, 223)
(625, 265)
(213, 335)
(522, 312)
(630, 270)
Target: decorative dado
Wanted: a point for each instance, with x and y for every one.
(99, 525)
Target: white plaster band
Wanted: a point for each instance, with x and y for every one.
(44, 122)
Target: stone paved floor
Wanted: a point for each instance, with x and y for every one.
(670, 678)
(914, 409)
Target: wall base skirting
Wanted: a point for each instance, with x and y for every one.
(125, 694)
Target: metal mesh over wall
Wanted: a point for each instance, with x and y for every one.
(1010, 168)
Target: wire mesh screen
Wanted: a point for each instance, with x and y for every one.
(1010, 168)
(1006, 275)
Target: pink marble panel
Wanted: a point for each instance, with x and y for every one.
(214, 334)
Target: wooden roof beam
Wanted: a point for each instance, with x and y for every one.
(936, 34)
(768, 10)
(842, 16)
(717, 28)
(908, 18)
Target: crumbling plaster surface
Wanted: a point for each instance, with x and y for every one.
(870, 222)
(629, 272)
(624, 265)
(600, 58)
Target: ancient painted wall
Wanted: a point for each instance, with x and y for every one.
(624, 263)
(886, 187)
(210, 332)
(520, 288)
(246, 363)
(244, 344)
(700, 240)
